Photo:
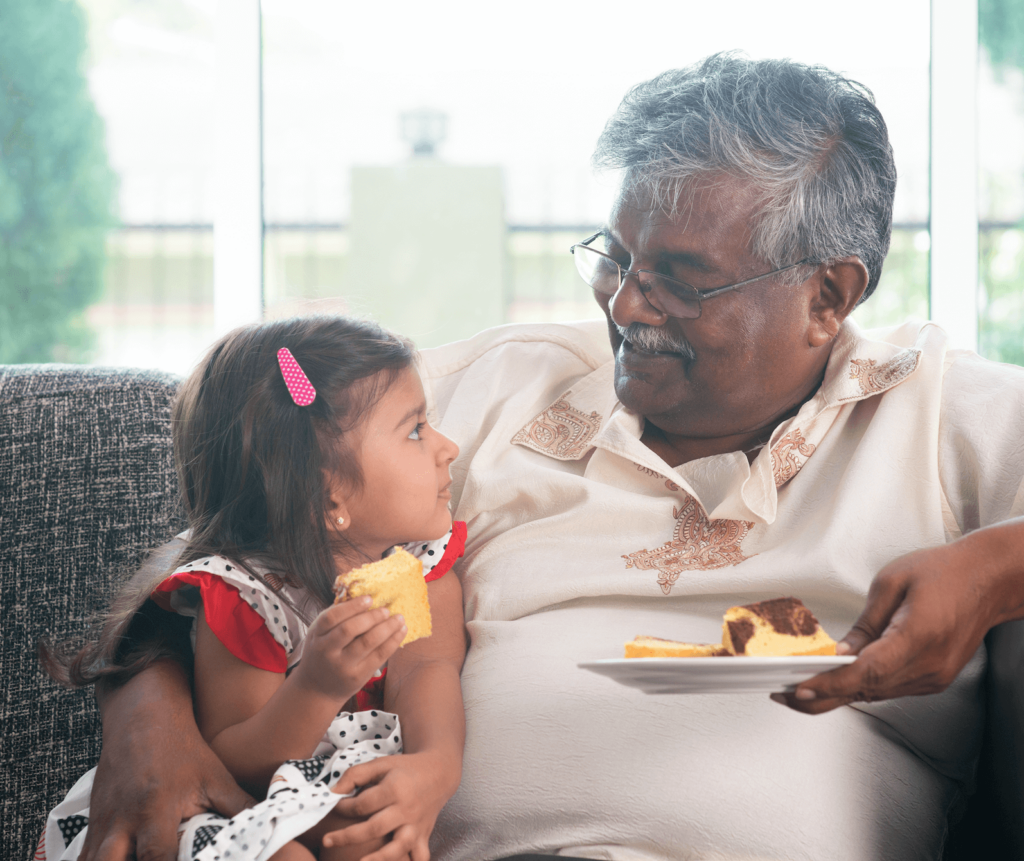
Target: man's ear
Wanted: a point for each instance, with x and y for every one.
(839, 287)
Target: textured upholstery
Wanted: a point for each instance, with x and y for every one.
(86, 486)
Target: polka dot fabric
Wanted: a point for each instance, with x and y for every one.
(298, 798)
(299, 386)
(250, 619)
(299, 795)
(439, 556)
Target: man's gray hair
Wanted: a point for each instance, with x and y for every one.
(813, 143)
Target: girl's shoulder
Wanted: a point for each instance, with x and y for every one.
(438, 556)
(251, 612)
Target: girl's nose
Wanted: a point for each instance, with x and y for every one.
(448, 449)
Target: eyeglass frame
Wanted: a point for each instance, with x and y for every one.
(646, 289)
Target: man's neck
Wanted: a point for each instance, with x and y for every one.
(677, 450)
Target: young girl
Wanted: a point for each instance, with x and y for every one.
(303, 450)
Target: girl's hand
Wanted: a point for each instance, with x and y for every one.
(403, 797)
(346, 644)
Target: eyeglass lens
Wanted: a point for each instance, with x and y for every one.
(604, 275)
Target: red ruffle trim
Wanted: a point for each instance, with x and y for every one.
(371, 695)
(456, 547)
(237, 625)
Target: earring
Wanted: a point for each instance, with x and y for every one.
(341, 520)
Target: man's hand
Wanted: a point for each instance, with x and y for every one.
(403, 796)
(926, 614)
(155, 770)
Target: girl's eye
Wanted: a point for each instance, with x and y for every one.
(417, 431)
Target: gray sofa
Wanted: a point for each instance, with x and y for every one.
(87, 486)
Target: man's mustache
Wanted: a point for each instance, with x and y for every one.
(655, 339)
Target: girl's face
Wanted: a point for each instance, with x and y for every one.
(406, 485)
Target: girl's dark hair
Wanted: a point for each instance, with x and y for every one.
(254, 472)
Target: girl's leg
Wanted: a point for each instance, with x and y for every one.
(293, 851)
(313, 839)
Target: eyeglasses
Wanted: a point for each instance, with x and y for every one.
(668, 295)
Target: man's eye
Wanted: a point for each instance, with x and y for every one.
(417, 431)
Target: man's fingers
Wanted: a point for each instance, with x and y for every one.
(884, 598)
(116, 846)
(227, 798)
(810, 707)
(878, 673)
(223, 794)
(157, 840)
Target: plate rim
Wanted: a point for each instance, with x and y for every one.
(750, 661)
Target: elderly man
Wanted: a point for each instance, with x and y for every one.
(741, 440)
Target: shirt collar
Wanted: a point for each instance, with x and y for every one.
(589, 416)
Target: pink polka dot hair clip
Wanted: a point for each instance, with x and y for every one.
(299, 386)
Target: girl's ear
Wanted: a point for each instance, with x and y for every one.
(337, 505)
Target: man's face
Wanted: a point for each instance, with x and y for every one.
(746, 361)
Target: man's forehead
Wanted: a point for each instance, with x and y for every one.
(705, 221)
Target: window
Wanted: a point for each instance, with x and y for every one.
(1001, 181)
(429, 165)
(474, 230)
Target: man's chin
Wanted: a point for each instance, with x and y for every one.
(648, 392)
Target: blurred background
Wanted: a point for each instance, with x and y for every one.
(426, 164)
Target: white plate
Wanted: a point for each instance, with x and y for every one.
(714, 675)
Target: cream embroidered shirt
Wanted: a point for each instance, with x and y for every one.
(580, 538)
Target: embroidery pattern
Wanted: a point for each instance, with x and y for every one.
(669, 483)
(873, 380)
(561, 431)
(697, 543)
(789, 454)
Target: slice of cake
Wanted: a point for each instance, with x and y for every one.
(396, 582)
(780, 627)
(655, 647)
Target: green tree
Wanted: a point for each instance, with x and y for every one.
(57, 190)
(1001, 31)
(1001, 34)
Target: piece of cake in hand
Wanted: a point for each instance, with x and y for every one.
(777, 628)
(396, 582)
(655, 647)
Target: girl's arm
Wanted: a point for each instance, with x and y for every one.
(255, 719)
(422, 687)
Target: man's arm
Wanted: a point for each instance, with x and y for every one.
(926, 614)
(155, 769)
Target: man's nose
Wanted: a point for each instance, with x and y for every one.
(630, 305)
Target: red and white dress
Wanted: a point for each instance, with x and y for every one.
(247, 614)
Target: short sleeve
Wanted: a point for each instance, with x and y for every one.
(233, 620)
(439, 556)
